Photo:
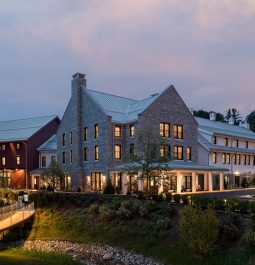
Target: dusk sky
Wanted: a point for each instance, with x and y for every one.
(132, 48)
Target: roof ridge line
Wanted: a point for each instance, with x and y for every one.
(30, 118)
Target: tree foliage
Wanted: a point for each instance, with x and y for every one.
(251, 120)
(148, 159)
(53, 176)
(109, 189)
(206, 115)
(233, 112)
(200, 229)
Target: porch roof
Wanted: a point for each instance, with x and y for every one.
(175, 165)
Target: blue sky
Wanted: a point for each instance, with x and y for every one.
(129, 48)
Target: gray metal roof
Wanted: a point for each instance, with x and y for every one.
(222, 128)
(177, 165)
(22, 129)
(49, 145)
(119, 108)
(213, 147)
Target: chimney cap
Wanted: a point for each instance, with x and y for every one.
(79, 75)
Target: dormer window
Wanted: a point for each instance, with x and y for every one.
(226, 141)
(214, 140)
(246, 144)
(237, 143)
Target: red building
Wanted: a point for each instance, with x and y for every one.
(19, 140)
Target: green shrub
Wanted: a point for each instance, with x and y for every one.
(106, 212)
(124, 213)
(251, 207)
(140, 195)
(177, 198)
(245, 183)
(94, 208)
(169, 196)
(232, 232)
(109, 189)
(163, 224)
(199, 228)
(143, 211)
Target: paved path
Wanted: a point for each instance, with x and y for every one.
(15, 217)
(240, 194)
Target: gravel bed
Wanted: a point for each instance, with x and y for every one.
(91, 253)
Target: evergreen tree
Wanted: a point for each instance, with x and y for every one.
(251, 120)
(237, 116)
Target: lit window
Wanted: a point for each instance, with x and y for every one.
(165, 150)
(63, 157)
(43, 162)
(85, 134)
(96, 131)
(63, 139)
(71, 138)
(96, 155)
(3, 147)
(178, 152)
(117, 131)
(132, 130)
(18, 160)
(164, 129)
(224, 158)
(71, 156)
(214, 158)
(189, 157)
(86, 154)
(3, 161)
(96, 181)
(118, 151)
(178, 131)
(17, 146)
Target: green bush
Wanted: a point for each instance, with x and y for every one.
(140, 195)
(171, 210)
(232, 232)
(106, 212)
(109, 189)
(200, 229)
(245, 183)
(169, 196)
(177, 198)
(94, 208)
(124, 213)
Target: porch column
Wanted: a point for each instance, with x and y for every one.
(194, 182)
(205, 181)
(221, 181)
(179, 183)
(124, 183)
(210, 181)
(140, 184)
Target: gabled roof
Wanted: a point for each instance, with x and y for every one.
(22, 129)
(222, 128)
(49, 145)
(119, 108)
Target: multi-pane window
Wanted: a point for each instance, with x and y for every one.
(189, 156)
(96, 131)
(228, 158)
(246, 144)
(17, 146)
(96, 154)
(85, 134)
(43, 161)
(131, 149)
(164, 129)
(214, 156)
(63, 157)
(226, 141)
(214, 140)
(237, 143)
(96, 181)
(71, 156)
(71, 138)
(86, 154)
(3, 147)
(63, 139)
(165, 150)
(117, 131)
(178, 152)
(178, 131)
(118, 151)
(224, 158)
(248, 160)
(132, 130)
(3, 161)
(235, 159)
(239, 159)
(17, 160)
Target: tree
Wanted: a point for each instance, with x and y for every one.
(53, 175)
(150, 157)
(220, 117)
(202, 114)
(251, 120)
(109, 189)
(235, 114)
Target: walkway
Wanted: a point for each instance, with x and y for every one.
(9, 219)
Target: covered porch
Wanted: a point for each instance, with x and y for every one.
(177, 177)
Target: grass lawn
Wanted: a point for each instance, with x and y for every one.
(138, 234)
(20, 257)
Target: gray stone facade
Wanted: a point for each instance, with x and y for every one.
(84, 111)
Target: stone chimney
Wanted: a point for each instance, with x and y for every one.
(212, 115)
(231, 121)
(78, 81)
